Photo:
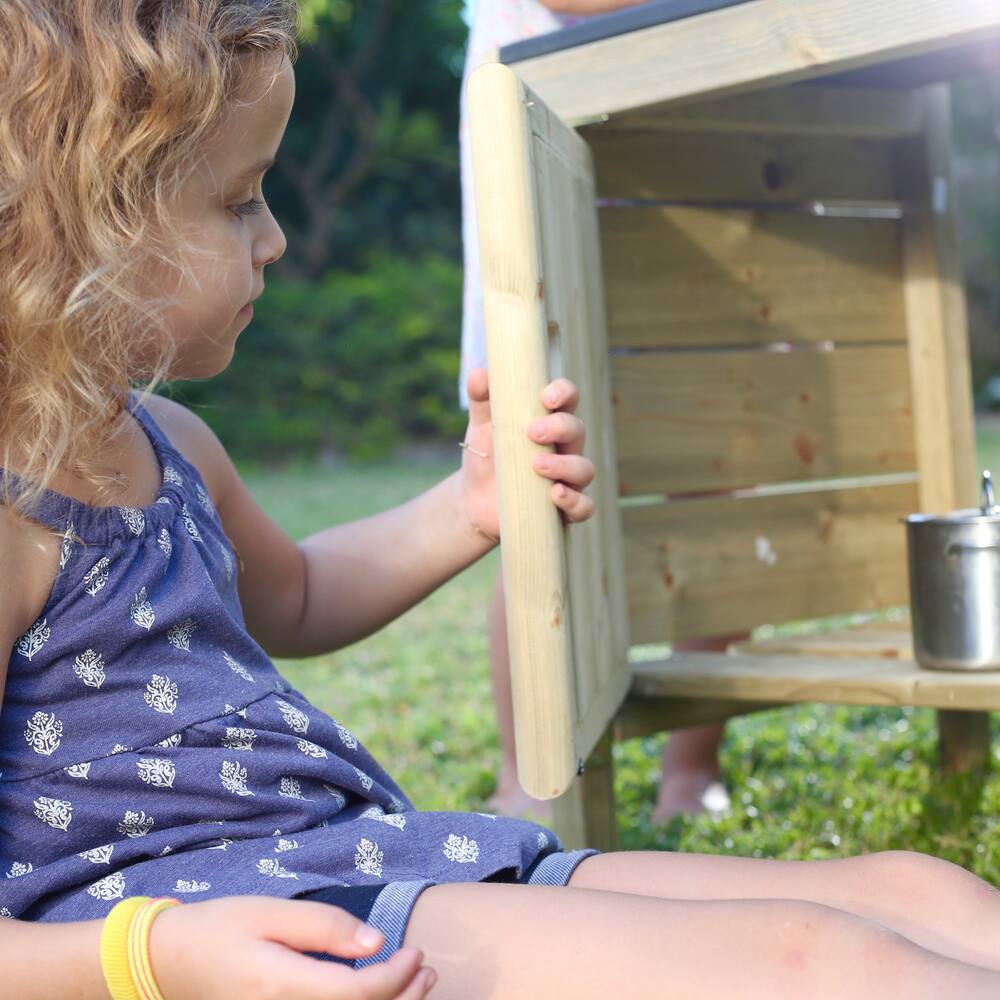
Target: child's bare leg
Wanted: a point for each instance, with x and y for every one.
(690, 762)
(934, 903)
(511, 942)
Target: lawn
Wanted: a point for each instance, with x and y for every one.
(817, 781)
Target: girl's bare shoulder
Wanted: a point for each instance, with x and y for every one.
(29, 562)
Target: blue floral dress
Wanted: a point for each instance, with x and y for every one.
(148, 745)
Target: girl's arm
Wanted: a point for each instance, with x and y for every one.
(237, 946)
(348, 581)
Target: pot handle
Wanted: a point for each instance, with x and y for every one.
(957, 547)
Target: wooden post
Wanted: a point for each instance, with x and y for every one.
(963, 741)
(584, 815)
(939, 362)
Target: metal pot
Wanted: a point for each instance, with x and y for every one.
(954, 564)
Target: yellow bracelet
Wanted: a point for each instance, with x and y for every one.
(125, 960)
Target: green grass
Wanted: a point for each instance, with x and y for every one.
(816, 781)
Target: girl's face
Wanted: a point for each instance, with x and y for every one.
(228, 228)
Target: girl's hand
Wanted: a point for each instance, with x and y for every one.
(566, 466)
(251, 947)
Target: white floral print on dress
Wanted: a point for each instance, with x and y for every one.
(98, 855)
(461, 850)
(368, 857)
(295, 719)
(173, 740)
(192, 885)
(163, 540)
(390, 819)
(161, 694)
(97, 576)
(66, 549)
(366, 781)
(134, 519)
(172, 476)
(18, 868)
(269, 866)
(180, 635)
(310, 749)
(135, 824)
(234, 778)
(89, 667)
(237, 668)
(57, 813)
(78, 770)
(110, 887)
(44, 733)
(239, 738)
(285, 845)
(291, 789)
(346, 737)
(156, 771)
(142, 611)
(192, 528)
(33, 640)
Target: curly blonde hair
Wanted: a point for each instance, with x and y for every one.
(104, 106)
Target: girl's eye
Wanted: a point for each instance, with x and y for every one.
(251, 207)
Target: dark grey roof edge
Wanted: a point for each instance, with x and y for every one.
(620, 22)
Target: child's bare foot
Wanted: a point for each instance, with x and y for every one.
(691, 792)
(510, 799)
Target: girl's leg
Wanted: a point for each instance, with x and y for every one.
(515, 942)
(934, 903)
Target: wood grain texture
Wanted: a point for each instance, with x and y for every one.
(746, 48)
(693, 421)
(691, 277)
(545, 317)
(934, 298)
(808, 109)
(718, 565)
(839, 680)
(761, 167)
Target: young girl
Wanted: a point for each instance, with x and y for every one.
(148, 746)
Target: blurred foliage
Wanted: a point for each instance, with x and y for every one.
(354, 346)
(352, 362)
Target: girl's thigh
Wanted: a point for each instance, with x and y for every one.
(936, 904)
(517, 942)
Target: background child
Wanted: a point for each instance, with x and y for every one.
(148, 745)
(690, 764)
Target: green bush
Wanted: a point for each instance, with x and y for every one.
(356, 363)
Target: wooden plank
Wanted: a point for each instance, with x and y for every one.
(840, 680)
(808, 109)
(575, 311)
(647, 716)
(747, 47)
(517, 342)
(935, 307)
(584, 815)
(692, 277)
(712, 566)
(545, 317)
(888, 641)
(704, 420)
(759, 167)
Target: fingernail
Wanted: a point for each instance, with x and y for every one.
(431, 979)
(551, 397)
(537, 429)
(561, 492)
(542, 465)
(367, 936)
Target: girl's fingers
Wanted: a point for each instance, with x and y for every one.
(421, 985)
(574, 470)
(306, 978)
(560, 429)
(560, 394)
(575, 506)
(314, 926)
(477, 387)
